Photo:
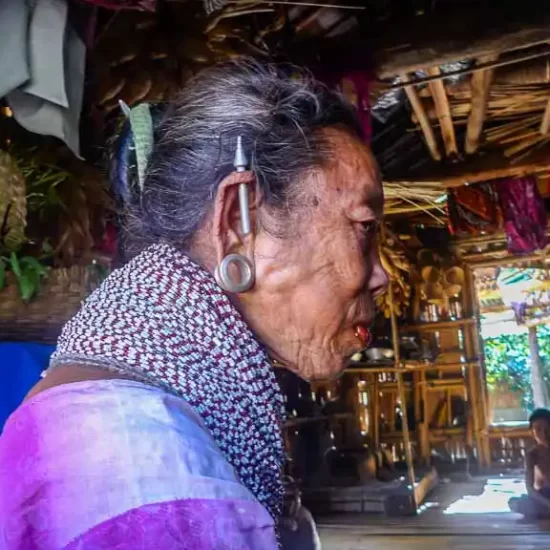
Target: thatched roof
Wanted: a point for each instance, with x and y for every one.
(460, 91)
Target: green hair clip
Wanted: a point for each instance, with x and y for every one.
(141, 124)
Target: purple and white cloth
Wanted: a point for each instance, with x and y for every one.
(118, 464)
(188, 454)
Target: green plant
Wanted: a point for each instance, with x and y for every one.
(507, 362)
(28, 272)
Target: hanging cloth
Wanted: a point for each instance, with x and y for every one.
(14, 69)
(354, 86)
(141, 5)
(50, 100)
(524, 215)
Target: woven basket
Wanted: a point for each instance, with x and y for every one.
(42, 319)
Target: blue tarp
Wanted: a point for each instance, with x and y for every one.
(20, 366)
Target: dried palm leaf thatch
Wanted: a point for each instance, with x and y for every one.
(414, 197)
(210, 6)
(13, 203)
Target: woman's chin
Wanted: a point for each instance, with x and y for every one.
(324, 370)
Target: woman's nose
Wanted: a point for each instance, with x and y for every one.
(379, 279)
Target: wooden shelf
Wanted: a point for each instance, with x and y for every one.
(297, 422)
(440, 325)
(394, 435)
(440, 383)
(409, 366)
(443, 434)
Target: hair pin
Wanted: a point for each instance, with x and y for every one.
(240, 163)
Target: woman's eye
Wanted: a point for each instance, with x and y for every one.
(370, 228)
(369, 231)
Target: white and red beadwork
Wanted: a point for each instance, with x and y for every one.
(163, 320)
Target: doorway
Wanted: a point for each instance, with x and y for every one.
(514, 307)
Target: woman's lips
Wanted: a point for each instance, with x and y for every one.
(363, 333)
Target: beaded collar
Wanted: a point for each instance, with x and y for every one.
(162, 319)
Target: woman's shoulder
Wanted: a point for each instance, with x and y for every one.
(118, 421)
(109, 452)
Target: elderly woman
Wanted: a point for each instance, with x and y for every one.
(158, 424)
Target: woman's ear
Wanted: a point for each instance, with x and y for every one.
(229, 237)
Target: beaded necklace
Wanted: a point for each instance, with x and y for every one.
(163, 320)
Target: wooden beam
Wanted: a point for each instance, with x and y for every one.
(545, 124)
(481, 85)
(481, 168)
(423, 120)
(512, 260)
(443, 111)
(424, 41)
(501, 62)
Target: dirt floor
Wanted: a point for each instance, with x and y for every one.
(462, 515)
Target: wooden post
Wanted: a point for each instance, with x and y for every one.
(375, 411)
(423, 427)
(423, 120)
(402, 396)
(443, 112)
(540, 395)
(481, 168)
(545, 123)
(481, 86)
(477, 389)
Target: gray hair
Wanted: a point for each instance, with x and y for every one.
(278, 110)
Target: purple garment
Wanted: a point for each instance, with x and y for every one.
(119, 464)
(525, 218)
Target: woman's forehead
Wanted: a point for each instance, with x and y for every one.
(352, 172)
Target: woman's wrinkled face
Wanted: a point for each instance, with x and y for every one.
(315, 288)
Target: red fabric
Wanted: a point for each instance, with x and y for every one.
(359, 81)
(543, 184)
(524, 214)
(474, 210)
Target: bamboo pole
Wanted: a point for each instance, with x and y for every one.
(461, 72)
(481, 85)
(423, 428)
(512, 260)
(483, 168)
(479, 384)
(540, 395)
(423, 120)
(414, 368)
(376, 413)
(443, 112)
(493, 238)
(402, 397)
(545, 124)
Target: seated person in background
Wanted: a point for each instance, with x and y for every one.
(536, 504)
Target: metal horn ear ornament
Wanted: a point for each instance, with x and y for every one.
(244, 266)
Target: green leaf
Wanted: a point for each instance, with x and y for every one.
(33, 264)
(26, 288)
(14, 263)
(2, 274)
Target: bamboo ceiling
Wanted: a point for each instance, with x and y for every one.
(460, 93)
